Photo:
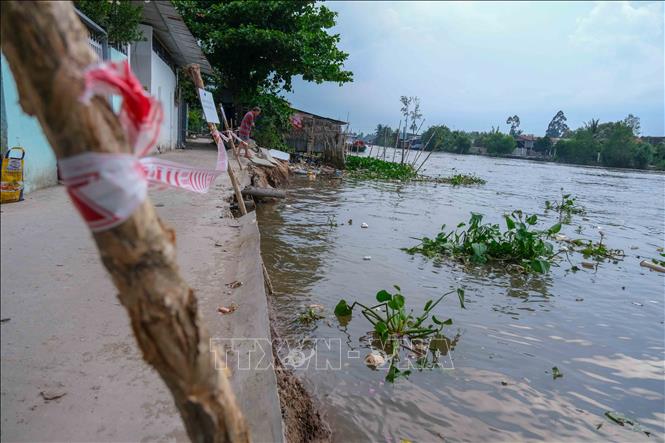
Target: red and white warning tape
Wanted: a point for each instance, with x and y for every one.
(107, 188)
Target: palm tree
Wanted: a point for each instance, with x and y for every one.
(592, 126)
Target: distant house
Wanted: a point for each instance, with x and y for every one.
(525, 145)
(167, 45)
(652, 140)
(311, 133)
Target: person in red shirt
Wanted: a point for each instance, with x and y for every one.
(246, 127)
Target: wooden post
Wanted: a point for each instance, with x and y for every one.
(397, 140)
(415, 160)
(47, 50)
(195, 73)
(236, 150)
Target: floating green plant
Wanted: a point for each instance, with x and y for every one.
(373, 168)
(481, 243)
(394, 327)
(461, 180)
(566, 207)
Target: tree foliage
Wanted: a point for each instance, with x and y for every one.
(498, 143)
(543, 145)
(614, 141)
(633, 123)
(557, 127)
(259, 46)
(514, 122)
(443, 139)
(274, 121)
(384, 135)
(119, 18)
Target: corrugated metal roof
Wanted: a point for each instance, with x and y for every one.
(332, 120)
(172, 32)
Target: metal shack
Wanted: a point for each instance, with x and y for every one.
(313, 133)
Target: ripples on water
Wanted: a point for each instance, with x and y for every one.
(602, 328)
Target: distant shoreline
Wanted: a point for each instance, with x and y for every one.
(649, 168)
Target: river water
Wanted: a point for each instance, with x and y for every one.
(602, 328)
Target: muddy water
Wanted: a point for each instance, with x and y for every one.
(603, 328)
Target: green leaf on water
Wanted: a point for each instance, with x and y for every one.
(383, 296)
(398, 288)
(460, 295)
(343, 309)
(479, 249)
(532, 219)
(427, 305)
(382, 329)
(539, 265)
(509, 222)
(622, 420)
(397, 302)
(556, 373)
(554, 229)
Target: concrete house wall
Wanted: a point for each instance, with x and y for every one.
(163, 86)
(159, 79)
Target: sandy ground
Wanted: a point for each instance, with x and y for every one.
(70, 367)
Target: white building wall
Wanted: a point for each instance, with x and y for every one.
(140, 55)
(163, 86)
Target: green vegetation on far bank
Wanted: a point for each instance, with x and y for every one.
(612, 144)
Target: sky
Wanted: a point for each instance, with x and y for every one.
(473, 64)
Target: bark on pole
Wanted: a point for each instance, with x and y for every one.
(195, 72)
(47, 49)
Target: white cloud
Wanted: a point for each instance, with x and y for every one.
(622, 28)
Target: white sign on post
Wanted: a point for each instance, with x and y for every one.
(208, 105)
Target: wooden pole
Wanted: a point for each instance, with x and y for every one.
(399, 126)
(426, 158)
(47, 50)
(408, 151)
(236, 150)
(415, 160)
(195, 72)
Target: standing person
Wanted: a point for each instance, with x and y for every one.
(246, 127)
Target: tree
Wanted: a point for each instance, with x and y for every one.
(439, 134)
(593, 126)
(120, 19)
(633, 123)
(498, 143)
(406, 110)
(543, 145)
(461, 142)
(415, 114)
(260, 46)
(622, 150)
(581, 148)
(514, 123)
(557, 127)
(385, 136)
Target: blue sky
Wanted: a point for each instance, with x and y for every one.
(475, 63)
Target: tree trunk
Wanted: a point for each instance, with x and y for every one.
(47, 50)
